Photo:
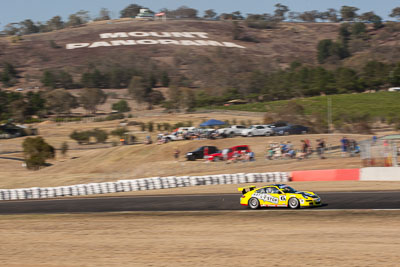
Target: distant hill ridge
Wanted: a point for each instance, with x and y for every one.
(270, 48)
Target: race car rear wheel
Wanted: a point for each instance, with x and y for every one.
(254, 203)
(293, 203)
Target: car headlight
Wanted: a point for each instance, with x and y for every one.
(189, 154)
(307, 195)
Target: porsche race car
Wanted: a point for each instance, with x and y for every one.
(277, 195)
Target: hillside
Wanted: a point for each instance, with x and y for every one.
(266, 49)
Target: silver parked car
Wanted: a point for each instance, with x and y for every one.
(258, 130)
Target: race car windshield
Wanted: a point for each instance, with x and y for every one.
(288, 189)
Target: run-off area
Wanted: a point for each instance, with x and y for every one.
(288, 237)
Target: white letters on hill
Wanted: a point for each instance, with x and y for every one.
(149, 38)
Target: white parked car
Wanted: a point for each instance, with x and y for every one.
(258, 130)
(394, 89)
(231, 131)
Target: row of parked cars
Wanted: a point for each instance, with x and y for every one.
(278, 128)
(212, 153)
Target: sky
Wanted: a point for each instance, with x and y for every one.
(43, 10)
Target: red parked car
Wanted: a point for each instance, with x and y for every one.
(230, 153)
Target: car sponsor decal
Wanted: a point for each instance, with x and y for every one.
(267, 198)
(282, 198)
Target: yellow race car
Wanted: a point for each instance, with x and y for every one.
(277, 195)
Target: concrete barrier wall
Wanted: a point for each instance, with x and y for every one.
(326, 175)
(380, 174)
(142, 184)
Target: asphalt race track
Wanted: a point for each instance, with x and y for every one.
(332, 200)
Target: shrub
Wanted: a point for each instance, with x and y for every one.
(121, 106)
(36, 151)
(100, 135)
(80, 137)
(150, 126)
(120, 131)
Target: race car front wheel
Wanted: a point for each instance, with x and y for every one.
(254, 203)
(294, 203)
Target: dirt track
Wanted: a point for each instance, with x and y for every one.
(295, 238)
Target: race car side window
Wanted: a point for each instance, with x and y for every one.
(269, 190)
(274, 190)
(261, 190)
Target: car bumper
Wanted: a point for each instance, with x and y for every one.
(311, 203)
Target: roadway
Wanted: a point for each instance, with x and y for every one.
(331, 200)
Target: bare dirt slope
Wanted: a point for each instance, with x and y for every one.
(299, 238)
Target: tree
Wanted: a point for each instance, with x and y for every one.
(28, 27)
(48, 79)
(165, 79)
(209, 14)
(19, 109)
(11, 29)
(130, 11)
(332, 15)
(309, 16)
(36, 152)
(348, 13)
(280, 11)
(358, 29)
(395, 13)
(236, 30)
(137, 89)
(55, 23)
(90, 98)
(9, 75)
(175, 96)
(373, 18)
(100, 135)
(60, 101)
(183, 12)
(189, 100)
(120, 132)
(121, 106)
(394, 76)
(80, 137)
(103, 15)
(324, 50)
(79, 18)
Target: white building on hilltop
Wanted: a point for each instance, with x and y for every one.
(145, 13)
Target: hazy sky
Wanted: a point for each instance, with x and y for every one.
(43, 10)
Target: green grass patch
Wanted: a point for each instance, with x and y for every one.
(381, 104)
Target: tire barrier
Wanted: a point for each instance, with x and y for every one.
(143, 184)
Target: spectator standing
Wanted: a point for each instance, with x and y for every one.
(176, 154)
(205, 153)
(225, 152)
(321, 148)
(344, 143)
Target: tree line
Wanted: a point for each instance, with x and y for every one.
(263, 20)
(253, 84)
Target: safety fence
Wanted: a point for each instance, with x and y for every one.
(142, 184)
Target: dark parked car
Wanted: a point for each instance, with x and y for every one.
(199, 153)
(284, 128)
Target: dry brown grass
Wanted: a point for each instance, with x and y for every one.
(138, 161)
(279, 238)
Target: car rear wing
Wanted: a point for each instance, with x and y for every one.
(246, 189)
